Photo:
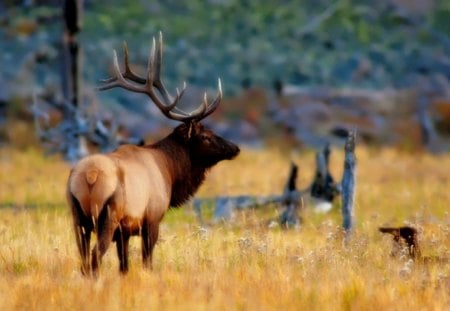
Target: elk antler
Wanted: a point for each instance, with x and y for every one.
(132, 82)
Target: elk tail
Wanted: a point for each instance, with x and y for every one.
(91, 176)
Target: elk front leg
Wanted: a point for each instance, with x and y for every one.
(150, 232)
(122, 240)
(107, 224)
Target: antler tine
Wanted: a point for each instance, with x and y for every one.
(128, 73)
(118, 80)
(179, 95)
(151, 65)
(198, 113)
(153, 79)
(157, 82)
(154, 70)
(215, 103)
(204, 109)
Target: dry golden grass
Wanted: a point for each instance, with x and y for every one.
(244, 266)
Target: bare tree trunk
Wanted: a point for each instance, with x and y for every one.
(71, 73)
(71, 76)
(71, 135)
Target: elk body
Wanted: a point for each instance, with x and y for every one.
(127, 192)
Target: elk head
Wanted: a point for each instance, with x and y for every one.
(205, 147)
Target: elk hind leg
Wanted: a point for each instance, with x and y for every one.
(82, 228)
(83, 237)
(107, 224)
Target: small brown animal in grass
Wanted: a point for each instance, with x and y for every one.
(404, 237)
(128, 191)
(408, 237)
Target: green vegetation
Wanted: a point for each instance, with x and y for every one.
(358, 43)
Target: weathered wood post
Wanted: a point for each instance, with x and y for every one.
(323, 186)
(291, 200)
(349, 183)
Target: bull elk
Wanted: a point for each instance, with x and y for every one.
(127, 192)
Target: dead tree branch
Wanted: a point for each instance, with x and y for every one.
(323, 186)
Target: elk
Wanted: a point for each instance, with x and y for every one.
(404, 237)
(128, 191)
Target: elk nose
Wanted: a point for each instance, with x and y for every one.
(234, 151)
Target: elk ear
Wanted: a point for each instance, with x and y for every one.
(190, 128)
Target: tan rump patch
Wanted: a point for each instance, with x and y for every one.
(93, 180)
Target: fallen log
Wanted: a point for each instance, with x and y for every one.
(225, 206)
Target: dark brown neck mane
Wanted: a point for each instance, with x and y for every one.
(187, 176)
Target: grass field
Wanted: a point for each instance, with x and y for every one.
(240, 266)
